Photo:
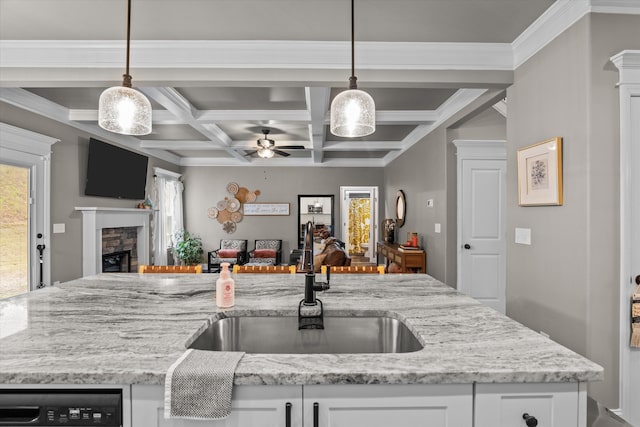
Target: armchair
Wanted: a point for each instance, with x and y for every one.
(233, 251)
(267, 251)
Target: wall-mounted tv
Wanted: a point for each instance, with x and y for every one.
(115, 172)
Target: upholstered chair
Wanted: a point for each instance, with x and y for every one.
(267, 251)
(233, 251)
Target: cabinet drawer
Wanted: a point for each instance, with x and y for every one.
(503, 405)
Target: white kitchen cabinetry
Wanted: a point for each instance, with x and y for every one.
(552, 405)
(337, 405)
(447, 405)
(255, 406)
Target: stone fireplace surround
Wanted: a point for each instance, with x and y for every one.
(94, 219)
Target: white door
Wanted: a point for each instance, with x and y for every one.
(442, 405)
(29, 152)
(481, 222)
(359, 220)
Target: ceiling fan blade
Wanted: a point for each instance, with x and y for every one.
(281, 153)
(291, 147)
(251, 153)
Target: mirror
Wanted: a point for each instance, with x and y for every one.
(401, 208)
(317, 208)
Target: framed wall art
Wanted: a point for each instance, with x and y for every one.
(540, 173)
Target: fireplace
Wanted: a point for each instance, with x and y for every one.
(95, 219)
(116, 262)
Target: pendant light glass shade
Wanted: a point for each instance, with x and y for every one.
(124, 110)
(353, 114)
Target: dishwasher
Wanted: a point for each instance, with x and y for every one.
(58, 407)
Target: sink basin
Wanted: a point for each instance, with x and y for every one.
(280, 334)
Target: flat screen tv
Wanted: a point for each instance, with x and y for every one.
(115, 172)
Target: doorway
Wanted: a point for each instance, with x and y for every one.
(14, 230)
(482, 169)
(25, 210)
(359, 219)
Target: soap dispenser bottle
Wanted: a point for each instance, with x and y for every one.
(225, 288)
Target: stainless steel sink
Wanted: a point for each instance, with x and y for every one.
(280, 334)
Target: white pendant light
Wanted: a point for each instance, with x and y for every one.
(353, 112)
(122, 109)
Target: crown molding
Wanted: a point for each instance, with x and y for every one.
(264, 54)
(558, 18)
(628, 64)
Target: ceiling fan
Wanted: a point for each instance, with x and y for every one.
(267, 147)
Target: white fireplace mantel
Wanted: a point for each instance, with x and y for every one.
(94, 219)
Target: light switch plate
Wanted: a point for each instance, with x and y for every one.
(58, 228)
(523, 236)
(437, 228)
(430, 203)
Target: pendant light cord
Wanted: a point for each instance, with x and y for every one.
(126, 77)
(353, 78)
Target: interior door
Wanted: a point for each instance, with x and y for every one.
(358, 215)
(482, 269)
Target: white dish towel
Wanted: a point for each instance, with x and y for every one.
(199, 384)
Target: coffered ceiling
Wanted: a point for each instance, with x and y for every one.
(218, 72)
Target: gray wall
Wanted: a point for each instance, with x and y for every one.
(204, 186)
(428, 171)
(566, 282)
(68, 172)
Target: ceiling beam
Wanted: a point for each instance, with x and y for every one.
(317, 99)
(216, 116)
(178, 105)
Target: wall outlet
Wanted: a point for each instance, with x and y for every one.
(523, 236)
(437, 228)
(58, 228)
(430, 203)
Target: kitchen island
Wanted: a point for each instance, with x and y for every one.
(127, 330)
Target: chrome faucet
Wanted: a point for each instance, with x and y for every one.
(310, 316)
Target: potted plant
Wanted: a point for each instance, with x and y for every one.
(188, 248)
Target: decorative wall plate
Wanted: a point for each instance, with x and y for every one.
(223, 216)
(212, 213)
(222, 205)
(233, 205)
(229, 227)
(232, 187)
(251, 197)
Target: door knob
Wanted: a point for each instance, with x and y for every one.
(467, 246)
(531, 421)
(638, 279)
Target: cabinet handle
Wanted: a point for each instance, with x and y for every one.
(530, 420)
(287, 414)
(467, 246)
(316, 414)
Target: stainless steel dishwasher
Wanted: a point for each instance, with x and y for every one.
(56, 407)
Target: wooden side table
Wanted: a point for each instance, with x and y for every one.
(409, 260)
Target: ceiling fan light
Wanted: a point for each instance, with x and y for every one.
(353, 114)
(125, 111)
(266, 143)
(266, 153)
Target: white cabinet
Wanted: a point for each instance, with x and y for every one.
(337, 405)
(552, 405)
(255, 406)
(447, 405)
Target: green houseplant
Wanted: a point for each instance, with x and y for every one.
(188, 248)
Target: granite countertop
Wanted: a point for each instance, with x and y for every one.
(129, 328)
